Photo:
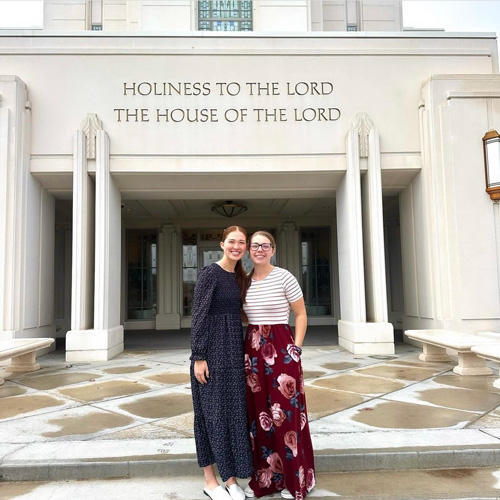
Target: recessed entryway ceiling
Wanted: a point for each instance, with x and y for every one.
(202, 209)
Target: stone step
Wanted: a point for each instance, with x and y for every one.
(370, 451)
(174, 467)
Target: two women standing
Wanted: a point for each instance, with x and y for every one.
(270, 368)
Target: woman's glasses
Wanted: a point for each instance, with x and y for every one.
(265, 246)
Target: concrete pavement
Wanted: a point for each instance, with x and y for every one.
(471, 484)
(131, 417)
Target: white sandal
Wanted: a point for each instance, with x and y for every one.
(249, 493)
(218, 494)
(235, 491)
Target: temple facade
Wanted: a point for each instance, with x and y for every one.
(133, 133)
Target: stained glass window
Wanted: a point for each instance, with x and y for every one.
(225, 15)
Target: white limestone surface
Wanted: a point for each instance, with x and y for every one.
(493, 432)
(7, 449)
(68, 451)
(376, 440)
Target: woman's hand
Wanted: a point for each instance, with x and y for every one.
(201, 371)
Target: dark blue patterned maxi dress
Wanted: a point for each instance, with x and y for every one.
(220, 416)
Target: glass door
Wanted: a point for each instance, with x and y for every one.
(141, 274)
(315, 249)
(200, 248)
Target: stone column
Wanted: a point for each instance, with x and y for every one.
(373, 228)
(11, 119)
(26, 225)
(363, 328)
(101, 298)
(14, 168)
(82, 296)
(82, 260)
(350, 237)
(107, 289)
(169, 276)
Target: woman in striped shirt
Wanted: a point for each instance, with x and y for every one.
(276, 405)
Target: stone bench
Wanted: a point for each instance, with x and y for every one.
(435, 343)
(489, 351)
(23, 353)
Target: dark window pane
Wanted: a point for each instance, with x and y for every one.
(211, 235)
(134, 290)
(315, 248)
(142, 274)
(187, 297)
(134, 253)
(189, 237)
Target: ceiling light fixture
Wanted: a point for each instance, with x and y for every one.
(229, 209)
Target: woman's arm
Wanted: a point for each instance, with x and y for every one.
(299, 309)
(203, 294)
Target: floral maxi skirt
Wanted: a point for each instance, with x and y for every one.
(277, 414)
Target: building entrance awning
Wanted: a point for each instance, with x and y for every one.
(226, 177)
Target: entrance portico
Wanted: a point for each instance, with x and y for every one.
(167, 204)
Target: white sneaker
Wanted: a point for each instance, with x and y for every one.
(286, 494)
(218, 494)
(235, 492)
(249, 493)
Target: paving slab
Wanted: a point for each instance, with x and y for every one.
(33, 403)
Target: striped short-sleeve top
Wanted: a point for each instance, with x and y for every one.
(268, 300)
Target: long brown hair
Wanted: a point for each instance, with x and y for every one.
(241, 275)
(270, 237)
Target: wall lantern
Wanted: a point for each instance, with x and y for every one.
(231, 209)
(491, 146)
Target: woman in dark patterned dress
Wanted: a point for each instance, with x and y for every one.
(218, 373)
(277, 414)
